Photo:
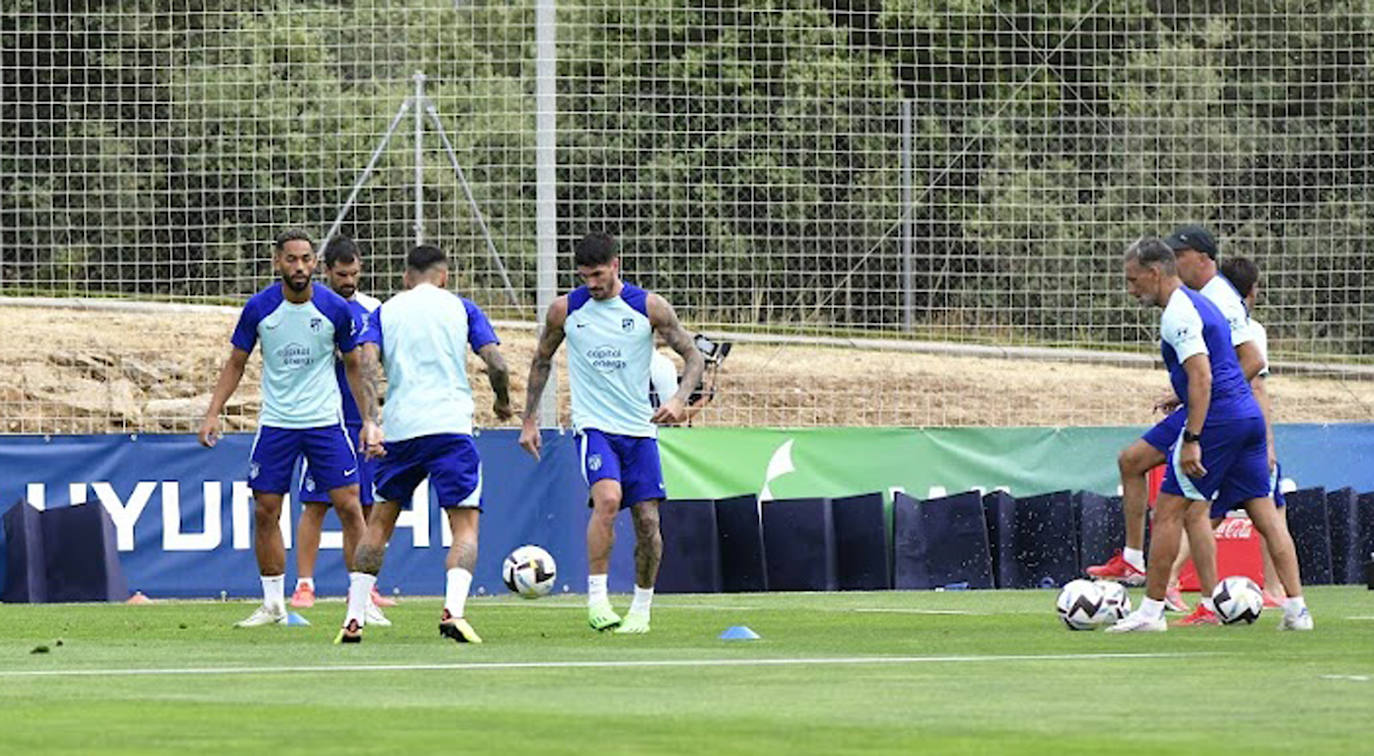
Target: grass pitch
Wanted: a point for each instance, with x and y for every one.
(979, 672)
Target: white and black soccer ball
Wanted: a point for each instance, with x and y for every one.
(1078, 604)
(1237, 600)
(529, 571)
(1116, 602)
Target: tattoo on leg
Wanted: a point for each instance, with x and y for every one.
(368, 558)
(648, 546)
(465, 554)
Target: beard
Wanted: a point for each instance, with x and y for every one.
(346, 291)
(296, 285)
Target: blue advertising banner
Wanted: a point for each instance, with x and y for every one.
(183, 514)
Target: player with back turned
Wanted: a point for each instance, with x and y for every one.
(421, 338)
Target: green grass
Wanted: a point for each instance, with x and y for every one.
(964, 682)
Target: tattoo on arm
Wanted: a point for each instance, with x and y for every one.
(371, 381)
(694, 365)
(496, 372)
(542, 364)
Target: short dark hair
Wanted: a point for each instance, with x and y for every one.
(1242, 272)
(1151, 250)
(424, 257)
(596, 248)
(293, 234)
(340, 249)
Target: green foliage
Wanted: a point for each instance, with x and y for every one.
(749, 153)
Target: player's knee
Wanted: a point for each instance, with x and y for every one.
(605, 505)
(646, 522)
(1132, 461)
(266, 515)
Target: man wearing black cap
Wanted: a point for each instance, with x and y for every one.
(1195, 251)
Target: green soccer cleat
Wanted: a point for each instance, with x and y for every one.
(457, 629)
(602, 617)
(636, 623)
(350, 633)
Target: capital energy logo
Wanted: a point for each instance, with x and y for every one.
(294, 355)
(606, 358)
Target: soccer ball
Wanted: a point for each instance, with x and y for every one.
(1237, 599)
(1079, 604)
(1116, 603)
(529, 571)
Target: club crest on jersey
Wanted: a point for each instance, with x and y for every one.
(594, 462)
(253, 470)
(315, 324)
(627, 324)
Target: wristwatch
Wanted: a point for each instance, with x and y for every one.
(1190, 437)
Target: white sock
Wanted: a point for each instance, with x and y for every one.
(1208, 605)
(456, 590)
(643, 598)
(359, 592)
(274, 591)
(305, 582)
(596, 590)
(1134, 557)
(1294, 606)
(1151, 608)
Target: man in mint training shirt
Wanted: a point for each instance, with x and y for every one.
(300, 326)
(610, 326)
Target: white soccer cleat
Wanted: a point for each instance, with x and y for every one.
(1137, 622)
(264, 615)
(374, 616)
(1300, 621)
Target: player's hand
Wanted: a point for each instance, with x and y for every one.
(529, 438)
(671, 412)
(502, 410)
(371, 439)
(209, 432)
(1167, 403)
(1190, 459)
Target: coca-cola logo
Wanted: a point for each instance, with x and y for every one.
(1235, 529)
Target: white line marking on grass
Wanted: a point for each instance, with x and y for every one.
(609, 664)
(1360, 618)
(1350, 678)
(898, 610)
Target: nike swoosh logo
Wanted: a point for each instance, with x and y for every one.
(581, 325)
(350, 472)
(270, 327)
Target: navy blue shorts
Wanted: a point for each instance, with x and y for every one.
(311, 492)
(328, 451)
(449, 460)
(1166, 431)
(1228, 500)
(1236, 455)
(631, 460)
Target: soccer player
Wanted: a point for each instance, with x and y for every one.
(1222, 444)
(1244, 275)
(421, 337)
(1196, 254)
(300, 326)
(610, 327)
(343, 266)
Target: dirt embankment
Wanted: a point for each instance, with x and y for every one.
(94, 371)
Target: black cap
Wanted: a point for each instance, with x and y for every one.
(1193, 237)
